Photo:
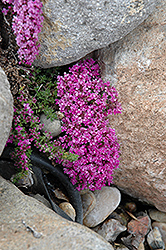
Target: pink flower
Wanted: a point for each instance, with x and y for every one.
(85, 100)
(27, 24)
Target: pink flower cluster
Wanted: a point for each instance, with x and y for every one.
(26, 133)
(27, 23)
(86, 101)
(21, 135)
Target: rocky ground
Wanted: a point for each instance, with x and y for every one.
(124, 222)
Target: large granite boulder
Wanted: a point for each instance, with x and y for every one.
(137, 66)
(74, 28)
(6, 109)
(47, 230)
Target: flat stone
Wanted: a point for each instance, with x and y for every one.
(88, 202)
(55, 232)
(157, 215)
(68, 209)
(140, 226)
(6, 109)
(107, 200)
(72, 29)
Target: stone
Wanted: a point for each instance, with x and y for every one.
(122, 247)
(136, 66)
(138, 229)
(141, 246)
(157, 215)
(68, 209)
(52, 127)
(72, 29)
(140, 225)
(162, 228)
(154, 239)
(107, 200)
(60, 195)
(6, 109)
(122, 217)
(110, 229)
(88, 202)
(42, 199)
(134, 242)
(25, 181)
(52, 231)
(131, 207)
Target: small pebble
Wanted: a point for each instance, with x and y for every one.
(53, 127)
(131, 207)
(68, 209)
(60, 195)
(110, 229)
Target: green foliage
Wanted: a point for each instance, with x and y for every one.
(44, 88)
(27, 130)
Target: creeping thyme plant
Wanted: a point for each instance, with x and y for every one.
(86, 101)
(26, 129)
(27, 23)
(88, 148)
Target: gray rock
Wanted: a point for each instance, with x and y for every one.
(154, 239)
(72, 29)
(6, 110)
(110, 229)
(52, 231)
(107, 200)
(88, 202)
(136, 64)
(53, 127)
(157, 215)
(42, 199)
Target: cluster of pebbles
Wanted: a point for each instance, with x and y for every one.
(123, 221)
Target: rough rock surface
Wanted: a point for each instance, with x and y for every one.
(139, 62)
(6, 109)
(57, 233)
(72, 29)
(110, 229)
(162, 228)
